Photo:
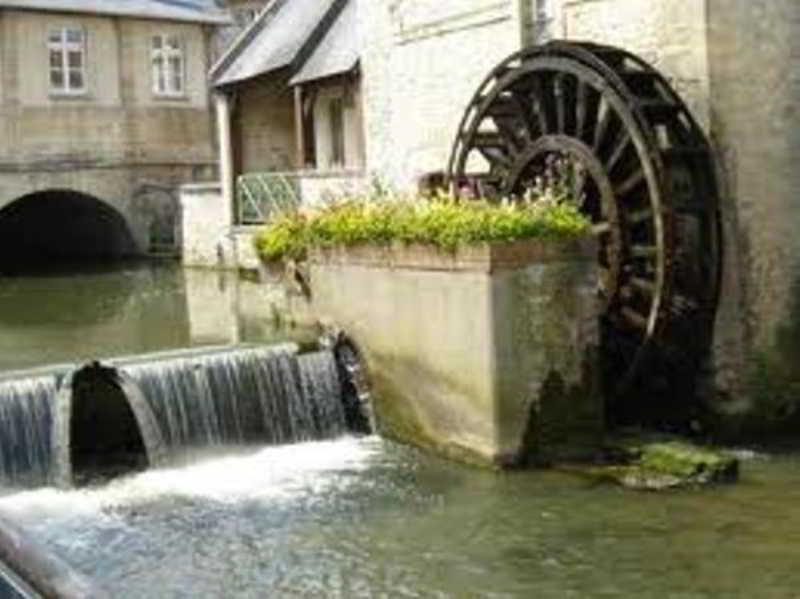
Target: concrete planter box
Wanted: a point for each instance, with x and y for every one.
(485, 354)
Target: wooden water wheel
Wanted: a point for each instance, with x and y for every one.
(643, 173)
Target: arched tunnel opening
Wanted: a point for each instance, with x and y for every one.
(105, 440)
(57, 228)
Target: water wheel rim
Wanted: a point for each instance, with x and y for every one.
(595, 75)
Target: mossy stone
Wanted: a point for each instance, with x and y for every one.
(660, 464)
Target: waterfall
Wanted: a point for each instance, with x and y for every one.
(243, 395)
(57, 424)
(322, 391)
(25, 425)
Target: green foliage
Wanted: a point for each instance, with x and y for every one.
(442, 221)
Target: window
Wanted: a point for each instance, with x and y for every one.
(67, 48)
(336, 120)
(168, 65)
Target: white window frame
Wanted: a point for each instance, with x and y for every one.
(64, 47)
(163, 74)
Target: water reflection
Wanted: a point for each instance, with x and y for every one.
(77, 315)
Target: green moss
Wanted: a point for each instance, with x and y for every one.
(644, 463)
(683, 460)
(444, 222)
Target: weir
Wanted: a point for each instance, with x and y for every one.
(71, 423)
(26, 418)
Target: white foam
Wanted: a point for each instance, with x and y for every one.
(272, 473)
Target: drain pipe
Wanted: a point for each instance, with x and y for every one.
(31, 571)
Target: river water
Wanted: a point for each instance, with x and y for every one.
(368, 518)
(106, 311)
(364, 517)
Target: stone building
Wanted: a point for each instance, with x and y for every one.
(104, 112)
(289, 120)
(733, 62)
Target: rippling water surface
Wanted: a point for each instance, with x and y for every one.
(368, 518)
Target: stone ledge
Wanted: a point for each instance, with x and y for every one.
(481, 257)
(202, 187)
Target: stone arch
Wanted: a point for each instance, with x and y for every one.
(57, 225)
(102, 425)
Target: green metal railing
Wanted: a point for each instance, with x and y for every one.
(259, 196)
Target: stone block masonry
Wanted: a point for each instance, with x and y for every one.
(485, 354)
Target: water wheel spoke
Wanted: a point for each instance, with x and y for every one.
(603, 121)
(629, 184)
(633, 318)
(644, 251)
(588, 102)
(620, 144)
(560, 95)
(504, 107)
(496, 158)
(543, 105)
(529, 124)
(659, 111)
(639, 216)
(581, 102)
(641, 83)
(601, 228)
(646, 286)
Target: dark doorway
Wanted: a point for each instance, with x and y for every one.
(52, 228)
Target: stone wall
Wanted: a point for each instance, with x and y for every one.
(421, 63)
(484, 354)
(263, 126)
(145, 196)
(206, 226)
(669, 34)
(210, 238)
(754, 94)
(320, 187)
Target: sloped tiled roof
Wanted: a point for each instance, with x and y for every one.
(284, 35)
(339, 50)
(196, 11)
